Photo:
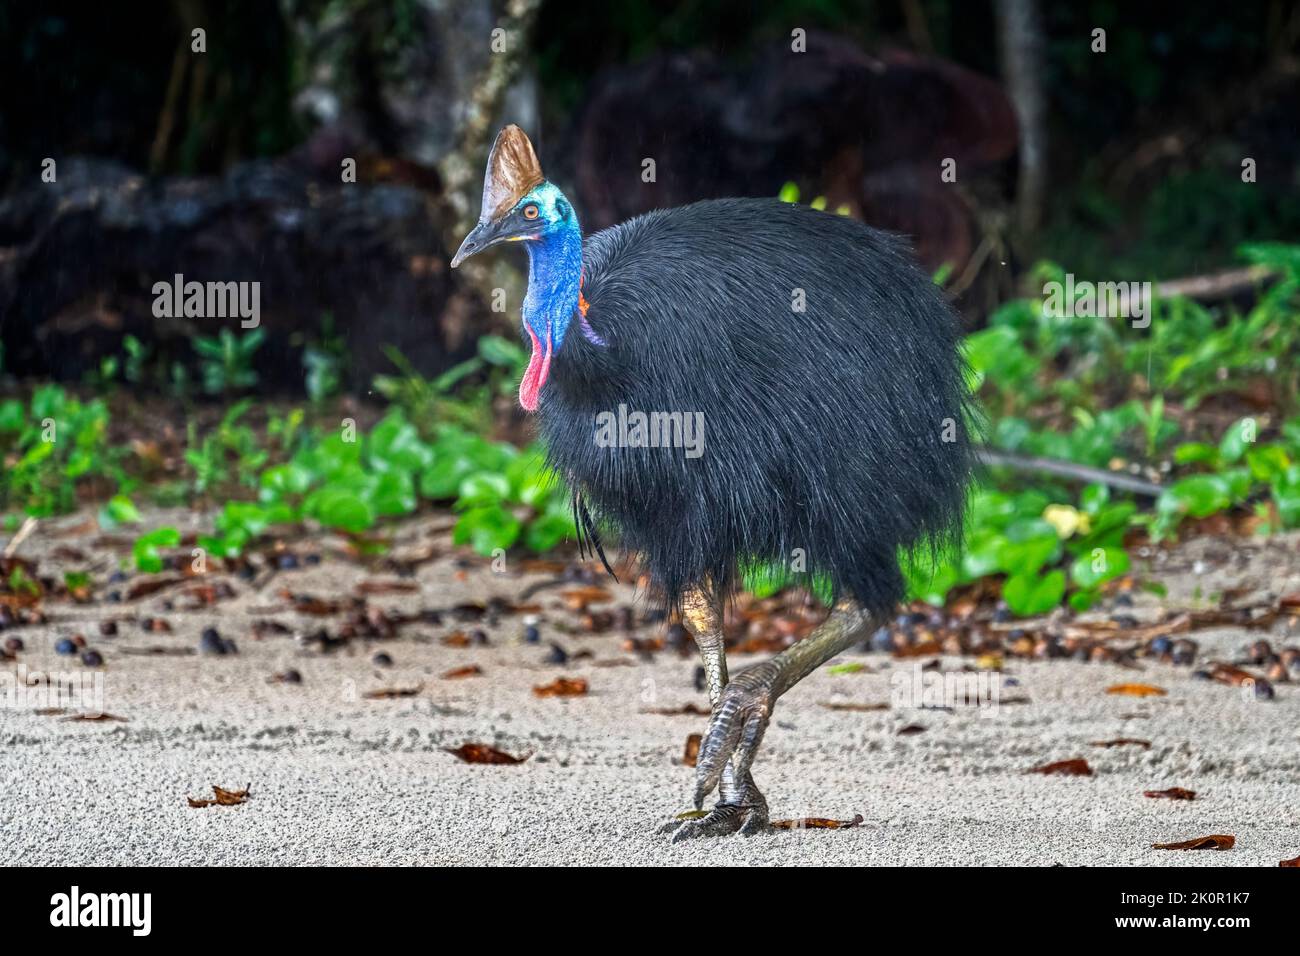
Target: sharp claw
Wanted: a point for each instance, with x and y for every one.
(725, 819)
(755, 823)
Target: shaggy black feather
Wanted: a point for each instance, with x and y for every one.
(823, 429)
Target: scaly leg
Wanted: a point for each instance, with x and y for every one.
(741, 714)
(741, 807)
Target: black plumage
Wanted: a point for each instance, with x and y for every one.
(834, 437)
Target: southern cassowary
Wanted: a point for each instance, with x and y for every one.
(823, 367)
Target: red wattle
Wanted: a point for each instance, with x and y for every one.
(539, 366)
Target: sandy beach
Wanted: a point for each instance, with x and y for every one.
(338, 778)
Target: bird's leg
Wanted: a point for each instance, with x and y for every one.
(701, 616)
(741, 806)
(742, 710)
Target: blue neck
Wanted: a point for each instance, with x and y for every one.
(555, 269)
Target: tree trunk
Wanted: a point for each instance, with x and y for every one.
(1020, 33)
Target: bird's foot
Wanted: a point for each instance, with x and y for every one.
(726, 752)
(743, 810)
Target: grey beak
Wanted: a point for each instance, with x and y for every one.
(479, 238)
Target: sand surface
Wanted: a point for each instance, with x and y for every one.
(340, 779)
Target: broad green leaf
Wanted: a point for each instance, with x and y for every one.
(342, 509)
(486, 529)
(1198, 497)
(1235, 441)
(1090, 570)
(1031, 594)
(118, 510)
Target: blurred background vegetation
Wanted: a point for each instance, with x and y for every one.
(225, 164)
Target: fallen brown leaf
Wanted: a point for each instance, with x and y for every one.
(817, 823)
(562, 687)
(1231, 675)
(482, 753)
(469, 670)
(692, 751)
(223, 798)
(386, 587)
(911, 729)
(1078, 767)
(923, 649)
(1137, 690)
(1173, 793)
(1218, 841)
(579, 598)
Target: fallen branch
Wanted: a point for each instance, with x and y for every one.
(21, 535)
(1217, 285)
(1070, 470)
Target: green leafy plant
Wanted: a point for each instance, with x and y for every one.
(147, 548)
(226, 360)
(462, 395)
(50, 446)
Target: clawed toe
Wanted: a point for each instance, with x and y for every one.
(723, 820)
(742, 810)
(727, 750)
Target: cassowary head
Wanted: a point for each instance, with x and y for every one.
(520, 205)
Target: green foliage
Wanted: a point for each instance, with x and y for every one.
(226, 361)
(1040, 546)
(1055, 386)
(463, 394)
(230, 452)
(118, 511)
(147, 548)
(51, 444)
(765, 579)
(790, 193)
(1238, 470)
(351, 481)
(137, 355)
(323, 362)
(322, 373)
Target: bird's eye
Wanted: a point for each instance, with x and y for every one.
(530, 211)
